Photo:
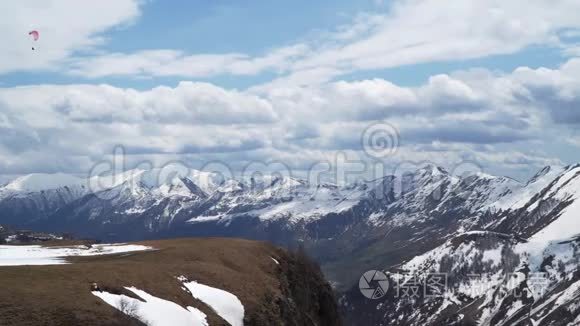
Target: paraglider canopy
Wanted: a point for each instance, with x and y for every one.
(35, 35)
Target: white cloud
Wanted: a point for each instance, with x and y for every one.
(410, 32)
(476, 115)
(65, 26)
(54, 127)
(572, 50)
(177, 63)
(188, 103)
(429, 30)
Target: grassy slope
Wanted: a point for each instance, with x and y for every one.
(60, 294)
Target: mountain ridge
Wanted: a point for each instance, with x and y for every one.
(349, 229)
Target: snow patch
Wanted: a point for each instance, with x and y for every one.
(38, 255)
(493, 255)
(202, 219)
(225, 304)
(153, 311)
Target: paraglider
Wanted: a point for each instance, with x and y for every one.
(35, 35)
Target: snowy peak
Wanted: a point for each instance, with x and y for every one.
(432, 170)
(482, 191)
(558, 205)
(40, 182)
(166, 184)
(191, 186)
(155, 182)
(543, 172)
(231, 185)
(273, 183)
(425, 175)
(208, 182)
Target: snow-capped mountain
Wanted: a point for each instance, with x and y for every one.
(526, 234)
(290, 199)
(37, 196)
(488, 278)
(138, 202)
(390, 222)
(429, 200)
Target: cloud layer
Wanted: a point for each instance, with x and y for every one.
(480, 115)
(305, 113)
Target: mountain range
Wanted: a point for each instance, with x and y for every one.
(408, 226)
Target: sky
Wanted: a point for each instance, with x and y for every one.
(496, 83)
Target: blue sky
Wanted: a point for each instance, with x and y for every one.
(254, 27)
(210, 26)
(493, 82)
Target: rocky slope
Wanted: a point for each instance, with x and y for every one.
(520, 268)
(489, 279)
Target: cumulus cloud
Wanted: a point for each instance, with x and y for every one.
(474, 115)
(88, 120)
(188, 103)
(556, 90)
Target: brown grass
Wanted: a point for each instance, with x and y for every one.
(60, 294)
